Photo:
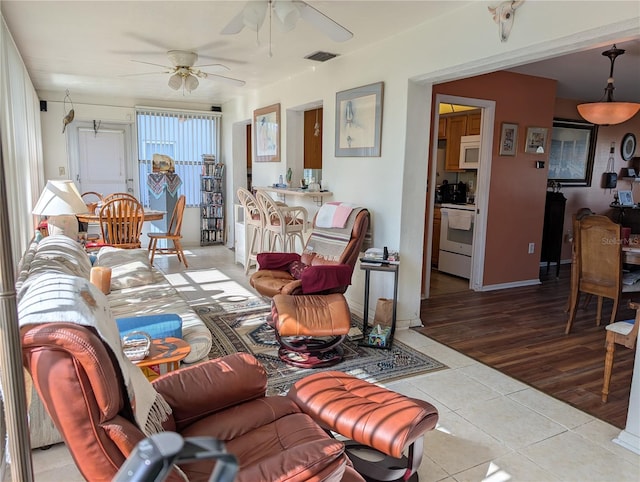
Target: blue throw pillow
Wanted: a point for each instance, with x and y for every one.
(157, 326)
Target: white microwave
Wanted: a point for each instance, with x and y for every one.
(469, 152)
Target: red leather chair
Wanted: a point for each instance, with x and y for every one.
(315, 271)
(311, 328)
(81, 387)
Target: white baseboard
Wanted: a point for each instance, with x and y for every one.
(515, 284)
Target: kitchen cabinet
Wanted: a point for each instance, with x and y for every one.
(442, 127)
(473, 123)
(435, 238)
(456, 128)
(313, 142)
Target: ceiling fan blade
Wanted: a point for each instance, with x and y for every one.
(330, 28)
(151, 63)
(145, 73)
(217, 66)
(235, 25)
(222, 78)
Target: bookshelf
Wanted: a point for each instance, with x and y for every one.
(212, 201)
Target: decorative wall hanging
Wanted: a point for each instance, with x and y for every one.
(508, 139)
(266, 125)
(503, 15)
(68, 114)
(359, 121)
(536, 140)
(571, 152)
(628, 146)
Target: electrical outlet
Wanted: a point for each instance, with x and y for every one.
(61, 171)
(532, 247)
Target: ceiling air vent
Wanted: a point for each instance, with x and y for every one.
(320, 56)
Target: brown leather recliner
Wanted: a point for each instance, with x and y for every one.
(314, 271)
(81, 387)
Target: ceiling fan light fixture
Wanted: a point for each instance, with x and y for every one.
(175, 81)
(287, 13)
(607, 111)
(253, 15)
(191, 83)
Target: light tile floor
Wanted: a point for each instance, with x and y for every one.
(491, 428)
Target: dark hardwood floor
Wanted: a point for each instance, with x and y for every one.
(520, 332)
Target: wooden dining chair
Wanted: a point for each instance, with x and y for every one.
(118, 195)
(599, 267)
(173, 234)
(575, 258)
(121, 222)
(622, 333)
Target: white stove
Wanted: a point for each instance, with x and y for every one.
(456, 238)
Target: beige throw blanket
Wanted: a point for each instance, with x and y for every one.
(62, 298)
(330, 243)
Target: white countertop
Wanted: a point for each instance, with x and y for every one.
(464, 207)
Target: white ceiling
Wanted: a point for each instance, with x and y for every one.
(87, 47)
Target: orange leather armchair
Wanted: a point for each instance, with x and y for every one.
(82, 389)
(314, 271)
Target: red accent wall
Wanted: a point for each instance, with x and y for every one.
(517, 189)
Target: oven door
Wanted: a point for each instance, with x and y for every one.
(456, 231)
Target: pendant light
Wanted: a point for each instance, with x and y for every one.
(609, 112)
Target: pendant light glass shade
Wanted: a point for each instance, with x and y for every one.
(175, 81)
(191, 83)
(607, 111)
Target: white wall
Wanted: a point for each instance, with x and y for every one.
(393, 186)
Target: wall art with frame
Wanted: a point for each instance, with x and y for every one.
(536, 140)
(266, 128)
(359, 121)
(508, 139)
(571, 153)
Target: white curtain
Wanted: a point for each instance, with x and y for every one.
(21, 140)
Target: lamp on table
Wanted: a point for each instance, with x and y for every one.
(60, 201)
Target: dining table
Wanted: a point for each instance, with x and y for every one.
(149, 215)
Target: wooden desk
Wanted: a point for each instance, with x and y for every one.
(164, 351)
(149, 215)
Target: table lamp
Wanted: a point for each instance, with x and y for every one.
(60, 201)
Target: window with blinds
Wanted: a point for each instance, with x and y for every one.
(185, 137)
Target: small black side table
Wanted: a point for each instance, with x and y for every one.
(388, 268)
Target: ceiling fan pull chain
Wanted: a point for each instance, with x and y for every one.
(270, 27)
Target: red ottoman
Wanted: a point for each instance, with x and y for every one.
(373, 418)
(310, 328)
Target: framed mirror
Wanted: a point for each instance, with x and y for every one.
(571, 152)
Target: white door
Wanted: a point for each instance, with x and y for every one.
(102, 160)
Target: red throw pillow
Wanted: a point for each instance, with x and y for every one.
(296, 268)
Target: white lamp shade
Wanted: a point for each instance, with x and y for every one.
(191, 83)
(253, 14)
(60, 197)
(287, 13)
(175, 81)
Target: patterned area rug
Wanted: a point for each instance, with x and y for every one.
(244, 329)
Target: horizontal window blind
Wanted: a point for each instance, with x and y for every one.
(185, 137)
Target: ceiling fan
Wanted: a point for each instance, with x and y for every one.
(286, 14)
(184, 74)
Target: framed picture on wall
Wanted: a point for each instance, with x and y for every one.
(536, 140)
(508, 139)
(266, 125)
(359, 121)
(571, 152)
